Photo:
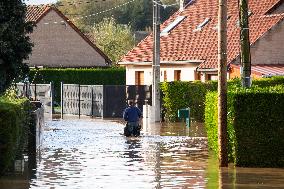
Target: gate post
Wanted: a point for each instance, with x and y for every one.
(79, 101)
(92, 103)
(62, 85)
(35, 91)
(51, 98)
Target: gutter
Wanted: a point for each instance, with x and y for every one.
(163, 62)
(207, 69)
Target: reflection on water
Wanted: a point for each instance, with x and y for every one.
(94, 154)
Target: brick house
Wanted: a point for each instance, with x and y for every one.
(59, 43)
(189, 43)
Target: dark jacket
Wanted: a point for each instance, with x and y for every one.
(132, 114)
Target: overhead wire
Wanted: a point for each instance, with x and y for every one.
(90, 15)
(101, 12)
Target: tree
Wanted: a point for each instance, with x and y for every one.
(15, 45)
(138, 14)
(114, 39)
(78, 10)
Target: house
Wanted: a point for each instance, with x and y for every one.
(59, 43)
(189, 43)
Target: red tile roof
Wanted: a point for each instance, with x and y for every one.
(183, 43)
(35, 13)
(266, 69)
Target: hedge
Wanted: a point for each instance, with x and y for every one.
(83, 76)
(255, 126)
(179, 94)
(14, 117)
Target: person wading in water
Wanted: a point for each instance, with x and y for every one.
(132, 114)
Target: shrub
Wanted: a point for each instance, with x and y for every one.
(178, 94)
(14, 117)
(255, 125)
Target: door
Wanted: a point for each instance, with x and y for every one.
(139, 78)
(165, 76)
(177, 74)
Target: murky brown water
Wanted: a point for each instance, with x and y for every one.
(94, 154)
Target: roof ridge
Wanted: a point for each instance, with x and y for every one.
(271, 15)
(40, 6)
(275, 5)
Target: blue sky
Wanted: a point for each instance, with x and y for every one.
(37, 2)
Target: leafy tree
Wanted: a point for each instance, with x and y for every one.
(137, 14)
(114, 39)
(15, 45)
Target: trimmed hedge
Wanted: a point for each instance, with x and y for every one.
(14, 117)
(255, 126)
(83, 76)
(179, 94)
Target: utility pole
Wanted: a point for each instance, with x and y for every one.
(245, 44)
(156, 62)
(222, 83)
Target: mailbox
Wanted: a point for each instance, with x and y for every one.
(185, 113)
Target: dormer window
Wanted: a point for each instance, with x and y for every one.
(200, 26)
(172, 25)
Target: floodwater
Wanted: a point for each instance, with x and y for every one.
(94, 154)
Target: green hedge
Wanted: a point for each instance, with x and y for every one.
(263, 82)
(178, 94)
(14, 117)
(84, 76)
(255, 126)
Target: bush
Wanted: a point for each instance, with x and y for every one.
(84, 76)
(14, 117)
(255, 125)
(178, 94)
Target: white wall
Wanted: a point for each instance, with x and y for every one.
(187, 73)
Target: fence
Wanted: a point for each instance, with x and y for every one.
(107, 101)
(38, 92)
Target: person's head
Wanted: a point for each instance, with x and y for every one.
(130, 103)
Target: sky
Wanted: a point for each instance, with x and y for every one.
(37, 2)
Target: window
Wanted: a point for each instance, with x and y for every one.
(197, 75)
(165, 76)
(200, 26)
(177, 75)
(139, 78)
(172, 25)
(213, 77)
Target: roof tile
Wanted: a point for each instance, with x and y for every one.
(34, 13)
(182, 43)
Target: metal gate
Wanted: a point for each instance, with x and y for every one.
(107, 101)
(82, 99)
(40, 92)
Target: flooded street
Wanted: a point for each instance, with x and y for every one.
(95, 154)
